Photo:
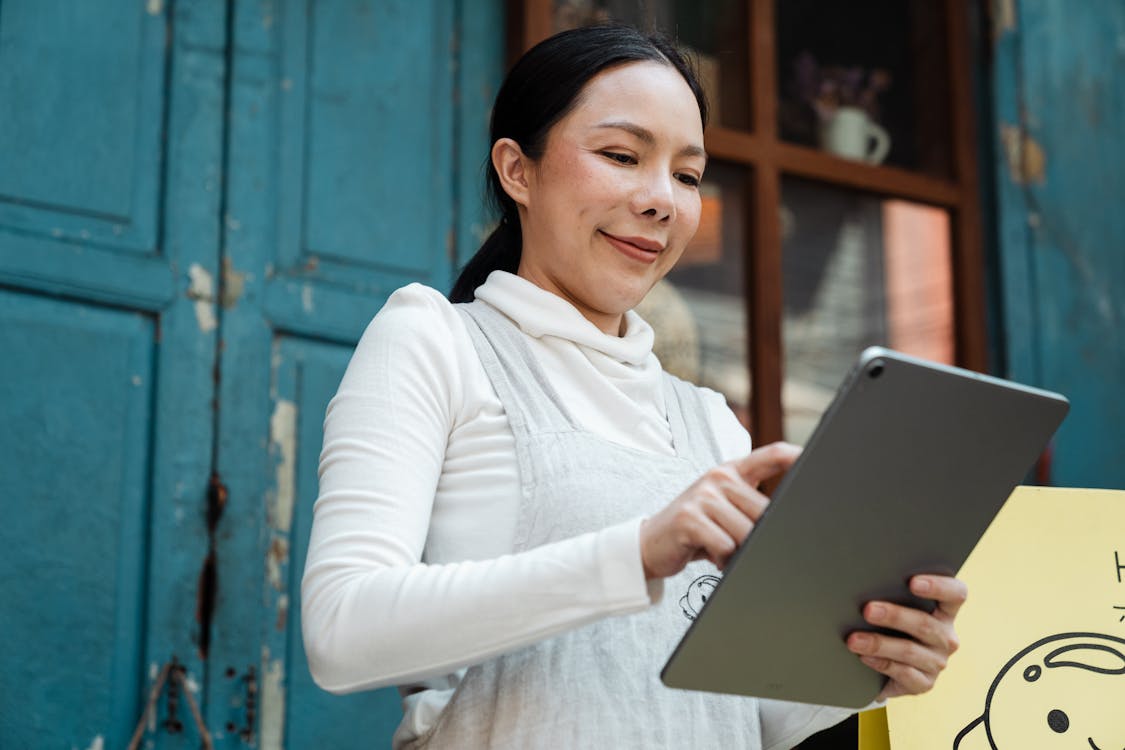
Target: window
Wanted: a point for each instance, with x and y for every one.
(840, 205)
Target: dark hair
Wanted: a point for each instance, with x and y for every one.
(541, 88)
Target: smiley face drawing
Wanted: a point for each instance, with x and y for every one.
(700, 589)
(1066, 691)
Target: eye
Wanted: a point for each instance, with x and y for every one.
(619, 157)
(1058, 721)
(687, 179)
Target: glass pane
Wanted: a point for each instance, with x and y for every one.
(857, 271)
(699, 310)
(716, 31)
(866, 81)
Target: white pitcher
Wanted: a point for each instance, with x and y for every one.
(850, 133)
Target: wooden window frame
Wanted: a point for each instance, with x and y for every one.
(770, 159)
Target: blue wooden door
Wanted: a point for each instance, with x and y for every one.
(357, 134)
(110, 176)
(202, 203)
(1060, 172)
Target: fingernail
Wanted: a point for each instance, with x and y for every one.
(877, 612)
(922, 585)
(861, 641)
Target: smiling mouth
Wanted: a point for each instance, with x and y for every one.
(646, 253)
(1091, 741)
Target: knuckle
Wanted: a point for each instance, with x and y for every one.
(952, 643)
(913, 653)
(686, 519)
(716, 474)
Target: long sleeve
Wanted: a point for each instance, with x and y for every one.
(371, 607)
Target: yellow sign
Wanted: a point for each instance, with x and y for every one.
(1042, 658)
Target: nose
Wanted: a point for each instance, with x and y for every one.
(654, 197)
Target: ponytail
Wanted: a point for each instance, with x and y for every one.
(500, 252)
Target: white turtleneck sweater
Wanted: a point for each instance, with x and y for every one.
(411, 576)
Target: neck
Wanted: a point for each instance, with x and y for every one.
(612, 324)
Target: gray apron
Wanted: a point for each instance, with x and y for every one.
(597, 685)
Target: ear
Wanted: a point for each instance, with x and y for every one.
(513, 167)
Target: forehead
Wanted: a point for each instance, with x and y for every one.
(651, 94)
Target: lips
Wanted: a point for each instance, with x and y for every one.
(637, 248)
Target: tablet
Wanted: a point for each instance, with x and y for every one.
(902, 475)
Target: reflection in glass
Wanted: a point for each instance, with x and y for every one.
(857, 271)
(699, 310)
(866, 81)
(714, 30)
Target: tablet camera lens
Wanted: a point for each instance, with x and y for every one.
(876, 369)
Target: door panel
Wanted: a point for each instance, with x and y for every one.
(83, 90)
(110, 159)
(345, 170)
(379, 141)
(74, 532)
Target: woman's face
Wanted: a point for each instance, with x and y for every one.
(614, 199)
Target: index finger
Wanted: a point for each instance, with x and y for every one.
(766, 462)
(949, 592)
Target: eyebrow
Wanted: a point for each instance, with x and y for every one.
(645, 135)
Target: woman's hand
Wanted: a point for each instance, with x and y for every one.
(912, 664)
(712, 516)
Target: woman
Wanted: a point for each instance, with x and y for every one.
(501, 504)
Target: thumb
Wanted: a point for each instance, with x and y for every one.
(767, 461)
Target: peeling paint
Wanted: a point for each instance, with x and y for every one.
(153, 674)
(1003, 17)
(234, 283)
(283, 438)
(307, 298)
(155, 7)
(282, 612)
(272, 702)
(191, 684)
(1027, 161)
(276, 559)
(97, 744)
(202, 290)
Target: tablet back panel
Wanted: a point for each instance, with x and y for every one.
(902, 475)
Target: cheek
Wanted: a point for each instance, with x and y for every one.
(580, 186)
(688, 212)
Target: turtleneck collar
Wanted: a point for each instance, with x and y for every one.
(540, 313)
